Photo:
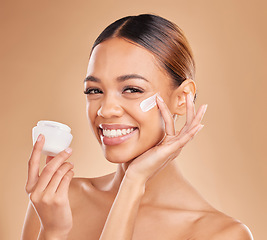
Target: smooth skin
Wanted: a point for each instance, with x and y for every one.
(147, 197)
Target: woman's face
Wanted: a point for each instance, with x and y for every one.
(120, 76)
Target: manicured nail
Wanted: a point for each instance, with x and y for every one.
(201, 126)
(40, 137)
(68, 150)
(205, 109)
(160, 98)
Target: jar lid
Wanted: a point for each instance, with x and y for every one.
(54, 124)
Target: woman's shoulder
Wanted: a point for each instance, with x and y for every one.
(205, 224)
(222, 227)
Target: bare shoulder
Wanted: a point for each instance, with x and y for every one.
(229, 228)
(236, 230)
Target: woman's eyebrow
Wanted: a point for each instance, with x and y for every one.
(119, 79)
(92, 79)
(130, 76)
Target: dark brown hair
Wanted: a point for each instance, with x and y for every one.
(164, 39)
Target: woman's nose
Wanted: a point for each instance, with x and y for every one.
(110, 108)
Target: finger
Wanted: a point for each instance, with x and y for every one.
(51, 168)
(199, 116)
(57, 177)
(167, 116)
(190, 112)
(190, 108)
(63, 187)
(179, 142)
(196, 120)
(172, 148)
(34, 162)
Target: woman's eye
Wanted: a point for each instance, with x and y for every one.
(132, 90)
(92, 91)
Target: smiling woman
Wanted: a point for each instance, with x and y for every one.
(136, 60)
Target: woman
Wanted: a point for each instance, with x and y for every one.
(136, 61)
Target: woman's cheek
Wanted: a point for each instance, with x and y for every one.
(155, 124)
(91, 112)
(152, 127)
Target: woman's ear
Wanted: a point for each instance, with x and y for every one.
(179, 96)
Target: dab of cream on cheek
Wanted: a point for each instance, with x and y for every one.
(148, 103)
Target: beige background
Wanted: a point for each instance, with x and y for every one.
(44, 54)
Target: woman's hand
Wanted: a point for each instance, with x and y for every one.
(49, 192)
(153, 160)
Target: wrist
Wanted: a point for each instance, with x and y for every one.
(134, 183)
(45, 235)
(137, 178)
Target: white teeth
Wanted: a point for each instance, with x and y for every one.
(116, 133)
(113, 133)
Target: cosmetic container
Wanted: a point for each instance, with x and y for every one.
(57, 136)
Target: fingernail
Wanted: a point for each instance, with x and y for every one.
(40, 137)
(201, 126)
(68, 150)
(160, 98)
(206, 106)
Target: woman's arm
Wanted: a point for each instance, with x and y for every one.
(31, 227)
(120, 222)
(121, 219)
(48, 194)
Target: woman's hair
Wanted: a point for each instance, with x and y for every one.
(164, 39)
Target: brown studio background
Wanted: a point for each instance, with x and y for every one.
(44, 55)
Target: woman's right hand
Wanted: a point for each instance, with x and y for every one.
(156, 158)
(48, 192)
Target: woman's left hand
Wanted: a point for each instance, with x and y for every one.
(152, 161)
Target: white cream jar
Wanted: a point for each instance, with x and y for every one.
(57, 136)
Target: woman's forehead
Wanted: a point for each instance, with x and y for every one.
(118, 56)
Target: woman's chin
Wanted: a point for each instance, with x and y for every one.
(122, 153)
(118, 154)
(118, 159)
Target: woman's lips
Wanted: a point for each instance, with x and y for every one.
(114, 134)
(115, 126)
